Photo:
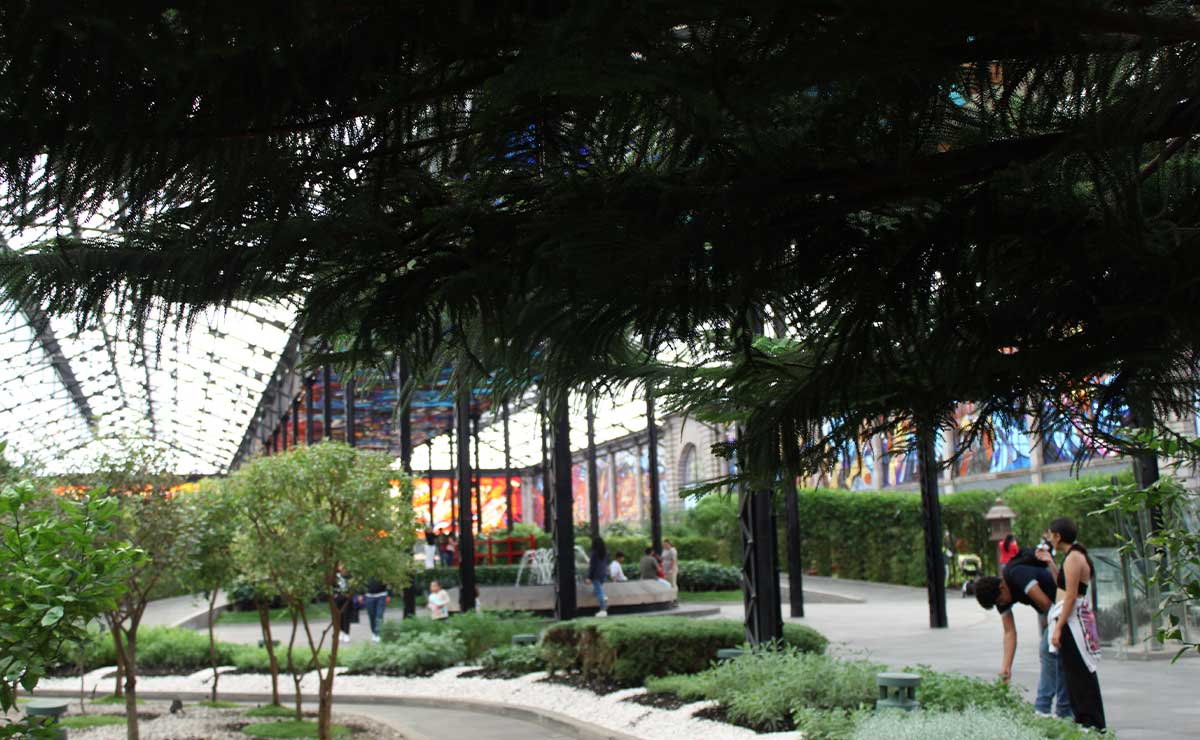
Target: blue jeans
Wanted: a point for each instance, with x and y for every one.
(375, 608)
(598, 589)
(1052, 683)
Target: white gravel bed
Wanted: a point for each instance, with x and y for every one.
(610, 711)
(201, 723)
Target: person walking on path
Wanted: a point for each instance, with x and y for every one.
(438, 601)
(376, 603)
(346, 603)
(670, 561)
(431, 552)
(597, 572)
(1028, 579)
(452, 550)
(616, 573)
(1074, 635)
(443, 544)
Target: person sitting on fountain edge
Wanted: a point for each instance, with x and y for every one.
(616, 573)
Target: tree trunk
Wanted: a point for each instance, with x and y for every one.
(116, 636)
(130, 660)
(264, 620)
(212, 642)
(325, 698)
(297, 676)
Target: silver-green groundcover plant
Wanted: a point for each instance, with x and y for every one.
(62, 571)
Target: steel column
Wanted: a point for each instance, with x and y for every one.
(466, 542)
(296, 421)
(326, 402)
(406, 445)
(795, 562)
(547, 516)
(931, 514)
(564, 524)
(476, 480)
(309, 434)
(508, 507)
(351, 432)
(593, 474)
(283, 429)
(432, 520)
(453, 487)
(652, 455)
(406, 450)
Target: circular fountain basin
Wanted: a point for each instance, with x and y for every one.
(623, 597)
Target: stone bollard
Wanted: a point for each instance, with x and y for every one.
(524, 639)
(53, 708)
(897, 691)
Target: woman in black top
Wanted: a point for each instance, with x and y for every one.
(1073, 579)
(598, 572)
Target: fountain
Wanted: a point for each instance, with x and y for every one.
(541, 566)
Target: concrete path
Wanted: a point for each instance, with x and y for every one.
(1143, 699)
(423, 722)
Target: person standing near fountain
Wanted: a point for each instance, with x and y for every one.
(616, 573)
(670, 562)
(597, 572)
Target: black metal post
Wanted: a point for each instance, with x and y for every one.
(406, 450)
(326, 402)
(652, 455)
(508, 507)
(547, 515)
(405, 430)
(432, 521)
(795, 562)
(351, 432)
(453, 486)
(296, 421)
(564, 525)
(476, 479)
(309, 434)
(283, 426)
(466, 543)
(593, 474)
(931, 514)
(760, 574)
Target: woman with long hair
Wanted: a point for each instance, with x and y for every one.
(597, 572)
(1074, 634)
(1008, 549)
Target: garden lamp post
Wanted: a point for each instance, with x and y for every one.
(999, 519)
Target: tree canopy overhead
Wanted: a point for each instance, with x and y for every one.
(544, 181)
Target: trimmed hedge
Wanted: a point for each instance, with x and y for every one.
(629, 650)
(877, 535)
(479, 632)
(701, 575)
(422, 654)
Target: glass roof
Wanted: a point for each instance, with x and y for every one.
(74, 394)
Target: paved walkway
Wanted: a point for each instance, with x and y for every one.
(453, 723)
(1144, 699)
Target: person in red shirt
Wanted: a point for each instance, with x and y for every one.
(1008, 550)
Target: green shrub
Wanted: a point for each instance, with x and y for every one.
(700, 575)
(479, 631)
(158, 649)
(977, 724)
(513, 660)
(420, 655)
(253, 659)
(626, 651)
(954, 692)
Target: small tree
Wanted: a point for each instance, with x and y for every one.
(63, 568)
(211, 515)
(319, 508)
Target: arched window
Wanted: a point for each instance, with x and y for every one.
(689, 467)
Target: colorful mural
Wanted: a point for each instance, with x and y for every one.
(492, 494)
(1004, 448)
(628, 507)
(1068, 442)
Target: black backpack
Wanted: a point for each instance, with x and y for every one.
(1026, 556)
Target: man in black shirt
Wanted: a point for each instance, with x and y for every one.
(1033, 585)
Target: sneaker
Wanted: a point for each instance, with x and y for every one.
(602, 613)
(1040, 713)
(374, 638)
(344, 637)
